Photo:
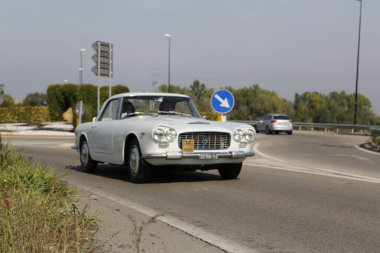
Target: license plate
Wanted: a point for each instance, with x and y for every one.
(188, 146)
(208, 156)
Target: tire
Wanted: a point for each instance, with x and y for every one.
(85, 157)
(267, 130)
(139, 171)
(230, 171)
(290, 132)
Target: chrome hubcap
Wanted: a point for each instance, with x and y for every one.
(134, 159)
(84, 154)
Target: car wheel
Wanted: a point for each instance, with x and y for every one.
(230, 171)
(290, 132)
(267, 130)
(85, 157)
(139, 171)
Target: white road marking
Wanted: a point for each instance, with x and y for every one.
(357, 157)
(203, 235)
(66, 145)
(368, 180)
(283, 165)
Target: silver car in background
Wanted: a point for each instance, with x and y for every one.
(275, 123)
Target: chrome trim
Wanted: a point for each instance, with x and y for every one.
(209, 140)
(180, 155)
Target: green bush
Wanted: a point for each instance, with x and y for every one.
(38, 211)
(24, 114)
(376, 140)
(62, 97)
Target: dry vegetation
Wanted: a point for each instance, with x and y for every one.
(38, 211)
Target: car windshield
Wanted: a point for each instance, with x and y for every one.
(284, 117)
(156, 105)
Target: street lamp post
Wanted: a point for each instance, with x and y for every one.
(1, 93)
(82, 50)
(169, 37)
(357, 66)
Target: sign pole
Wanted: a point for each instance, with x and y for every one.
(111, 69)
(98, 76)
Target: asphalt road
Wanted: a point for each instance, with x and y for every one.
(301, 193)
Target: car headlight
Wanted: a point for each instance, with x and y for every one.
(170, 134)
(244, 135)
(164, 134)
(249, 135)
(238, 135)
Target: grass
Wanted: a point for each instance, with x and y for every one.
(38, 211)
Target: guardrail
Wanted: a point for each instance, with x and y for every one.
(327, 126)
(375, 131)
(337, 127)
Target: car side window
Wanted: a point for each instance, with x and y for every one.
(111, 112)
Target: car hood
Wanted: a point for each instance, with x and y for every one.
(183, 124)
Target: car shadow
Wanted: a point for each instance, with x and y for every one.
(165, 176)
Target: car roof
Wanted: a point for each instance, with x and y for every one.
(136, 94)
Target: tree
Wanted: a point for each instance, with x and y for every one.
(7, 100)
(336, 107)
(309, 107)
(35, 99)
(252, 103)
(198, 90)
(174, 89)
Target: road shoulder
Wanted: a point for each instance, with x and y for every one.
(123, 229)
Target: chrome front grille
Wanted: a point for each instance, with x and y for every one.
(207, 140)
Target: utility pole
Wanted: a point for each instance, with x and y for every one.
(357, 65)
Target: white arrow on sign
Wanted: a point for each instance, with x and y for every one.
(223, 102)
(102, 59)
(104, 46)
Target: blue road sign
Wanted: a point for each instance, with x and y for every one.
(222, 101)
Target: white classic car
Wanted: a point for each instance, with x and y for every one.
(146, 131)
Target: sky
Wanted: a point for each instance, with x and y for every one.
(287, 46)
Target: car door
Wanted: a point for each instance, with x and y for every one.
(101, 137)
(261, 124)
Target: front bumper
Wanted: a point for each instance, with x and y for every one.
(200, 156)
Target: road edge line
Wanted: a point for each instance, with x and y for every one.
(334, 173)
(196, 232)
